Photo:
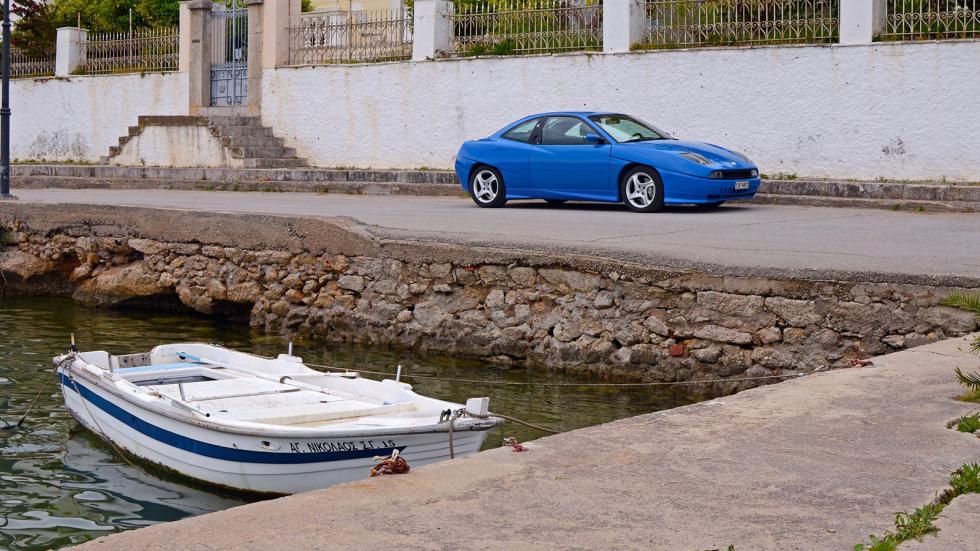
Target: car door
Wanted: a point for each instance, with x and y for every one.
(564, 164)
(511, 156)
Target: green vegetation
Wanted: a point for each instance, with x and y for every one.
(970, 381)
(964, 301)
(968, 423)
(915, 525)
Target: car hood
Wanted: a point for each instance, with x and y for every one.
(718, 155)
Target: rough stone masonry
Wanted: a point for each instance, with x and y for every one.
(329, 280)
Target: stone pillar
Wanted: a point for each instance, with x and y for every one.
(68, 50)
(193, 31)
(861, 20)
(253, 100)
(623, 24)
(184, 39)
(433, 33)
(276, 17)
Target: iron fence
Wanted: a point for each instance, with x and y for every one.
(149, 49)
(686, 23)
(931, 19)
(509, 27)
(23, 65)
(350, 37)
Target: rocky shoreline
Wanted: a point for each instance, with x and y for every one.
(330, 279)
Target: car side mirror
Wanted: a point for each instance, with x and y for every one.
(594, 139)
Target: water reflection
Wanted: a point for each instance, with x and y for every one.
(60, 485)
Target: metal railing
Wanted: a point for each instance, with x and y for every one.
(350, 37)
(509, 27)
(686, 23)
(23, 65)
(931, 19)
(150, 49)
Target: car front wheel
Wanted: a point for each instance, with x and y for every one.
(487, 187)
(642, 190)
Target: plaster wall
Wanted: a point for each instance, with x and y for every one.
(77, 118)
(892, 110)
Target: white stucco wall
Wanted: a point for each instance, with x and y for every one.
(78, 118)
(895, 110)
(180, 146)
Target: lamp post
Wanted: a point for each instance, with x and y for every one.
(5, 108)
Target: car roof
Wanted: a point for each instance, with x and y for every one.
(579, 113)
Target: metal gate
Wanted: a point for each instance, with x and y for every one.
(229, 53)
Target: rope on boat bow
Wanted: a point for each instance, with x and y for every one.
(70, 357)
(394, 464)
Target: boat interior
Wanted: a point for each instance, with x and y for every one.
(290, 395)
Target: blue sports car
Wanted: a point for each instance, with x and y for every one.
(591, 156)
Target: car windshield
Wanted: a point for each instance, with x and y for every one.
(625, 129)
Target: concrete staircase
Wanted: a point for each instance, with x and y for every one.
(245, 140)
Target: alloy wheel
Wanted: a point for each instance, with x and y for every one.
(486, 186)
(641, 190)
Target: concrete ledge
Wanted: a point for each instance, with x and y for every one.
(931, 197)
(814, 463)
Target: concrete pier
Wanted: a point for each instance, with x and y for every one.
(814, 463)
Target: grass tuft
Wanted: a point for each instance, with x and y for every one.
(964, 301)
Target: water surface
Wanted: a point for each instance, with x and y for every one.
(60, 485)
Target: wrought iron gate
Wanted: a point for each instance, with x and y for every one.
(229, 53)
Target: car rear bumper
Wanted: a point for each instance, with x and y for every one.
(686, 189)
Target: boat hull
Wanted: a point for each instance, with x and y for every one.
(268, 464)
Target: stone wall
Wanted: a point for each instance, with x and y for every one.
(326, 280)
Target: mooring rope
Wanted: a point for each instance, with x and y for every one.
(44, 385)
(524, 383)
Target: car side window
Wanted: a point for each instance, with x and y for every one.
(522, 132)
(565, 131)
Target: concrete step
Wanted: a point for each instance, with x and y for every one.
(263, 152)
(265, 162)
(234, 120)
(252, 141)
(247, 130)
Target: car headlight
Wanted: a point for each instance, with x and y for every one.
(716, 175)
(696, 158)
(754, 173)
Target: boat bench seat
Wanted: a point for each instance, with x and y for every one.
(222, 389)
(159, 367)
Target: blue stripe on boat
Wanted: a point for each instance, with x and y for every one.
(211, 450)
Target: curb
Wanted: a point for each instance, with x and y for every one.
(823, 193)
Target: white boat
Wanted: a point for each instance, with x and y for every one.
(256, 424)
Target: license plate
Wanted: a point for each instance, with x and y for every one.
(741, 185)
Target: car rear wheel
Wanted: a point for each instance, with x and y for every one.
(487, 187)
(642, 190)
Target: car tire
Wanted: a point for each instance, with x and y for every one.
(642, 190)
(710, 206)
(555, 201)
(487, 187)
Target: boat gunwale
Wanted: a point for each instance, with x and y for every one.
(273, 431)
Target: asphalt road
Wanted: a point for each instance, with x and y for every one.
(763, 240)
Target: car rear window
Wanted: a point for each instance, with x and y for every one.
(522, 132)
